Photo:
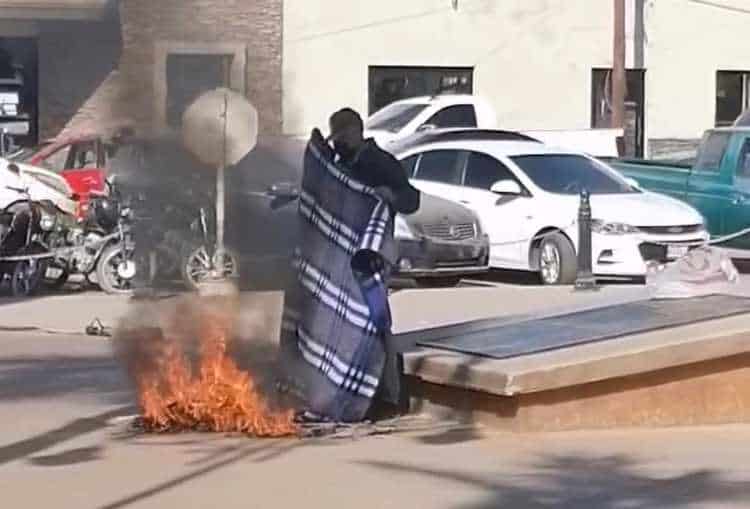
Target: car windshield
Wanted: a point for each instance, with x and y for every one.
(393, 118)
(570, 174)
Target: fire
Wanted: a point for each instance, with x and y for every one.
(210, 394)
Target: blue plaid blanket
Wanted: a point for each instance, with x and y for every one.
(336, 313)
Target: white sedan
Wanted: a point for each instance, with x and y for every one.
(526, 195)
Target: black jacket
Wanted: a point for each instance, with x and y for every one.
(375, 167)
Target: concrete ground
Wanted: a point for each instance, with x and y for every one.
(64, 443)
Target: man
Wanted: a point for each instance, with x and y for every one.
(374, 167)
(370, 164)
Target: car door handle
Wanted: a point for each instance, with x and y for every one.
(466, 202)
(739, 200)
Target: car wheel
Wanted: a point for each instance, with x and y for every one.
(557, 260)
(438, 282)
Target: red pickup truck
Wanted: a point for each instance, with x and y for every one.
(80, 161)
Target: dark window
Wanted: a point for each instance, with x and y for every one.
(571, 174)
(482, 171)
(743, 165)
(410, 164)
(460, 115)
(85, 155)
(601, 107)
(439, 166)
(732, 91)
(57, 160)
(188, 76)
(712, 151)
(388, 84)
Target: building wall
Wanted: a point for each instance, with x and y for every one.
(687, 43)
(148, 26)
(532, 58)
(78, 78)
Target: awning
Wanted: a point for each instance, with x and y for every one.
(54, 9)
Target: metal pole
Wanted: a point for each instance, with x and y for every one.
(220, 212)
(220, 206)
(618, 66)
(585, 278)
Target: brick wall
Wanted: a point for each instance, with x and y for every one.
(77, 75)
(257, 24)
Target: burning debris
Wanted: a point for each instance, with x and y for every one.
(186, 379)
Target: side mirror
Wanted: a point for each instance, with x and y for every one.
(632, 183)
(13, 168)
(506, 188)
(426, 127)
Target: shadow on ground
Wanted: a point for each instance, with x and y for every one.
(53, 376)
(576, 482)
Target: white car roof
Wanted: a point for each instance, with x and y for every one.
(442, 99)
(498, 149)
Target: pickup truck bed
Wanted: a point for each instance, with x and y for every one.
(717, 184)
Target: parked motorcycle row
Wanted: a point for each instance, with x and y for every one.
(42, 246)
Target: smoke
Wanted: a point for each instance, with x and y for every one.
(167, 188)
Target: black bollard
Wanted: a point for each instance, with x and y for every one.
(585, 278)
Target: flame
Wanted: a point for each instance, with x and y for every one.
(212, 394)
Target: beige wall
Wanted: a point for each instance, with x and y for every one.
(687, 44)
(532, 58)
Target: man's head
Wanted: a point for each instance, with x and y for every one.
(346, 132)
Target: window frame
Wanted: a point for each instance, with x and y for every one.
(163, 49)
(744, 100)
(429, 121)
(425, 76)
(465, 170)
(699, 166)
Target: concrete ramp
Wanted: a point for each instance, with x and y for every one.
(634, 369)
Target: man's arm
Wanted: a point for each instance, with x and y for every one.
(404, 197)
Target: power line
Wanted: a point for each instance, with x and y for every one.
(716, 5)
(389, 21)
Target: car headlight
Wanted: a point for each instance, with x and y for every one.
(402, 230)
(605, 228)
(47, 222)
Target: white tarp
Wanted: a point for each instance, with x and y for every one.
(703, 271)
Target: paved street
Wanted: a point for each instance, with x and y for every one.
(63, 441)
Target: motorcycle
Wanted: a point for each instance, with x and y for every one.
(179, 242)
(29, 233)
(100, 246)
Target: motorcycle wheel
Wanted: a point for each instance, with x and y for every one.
(196, 267)
(110, 276)
(26, 277)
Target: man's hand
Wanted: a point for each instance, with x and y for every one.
(386, 194)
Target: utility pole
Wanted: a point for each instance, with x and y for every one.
(618, 67)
